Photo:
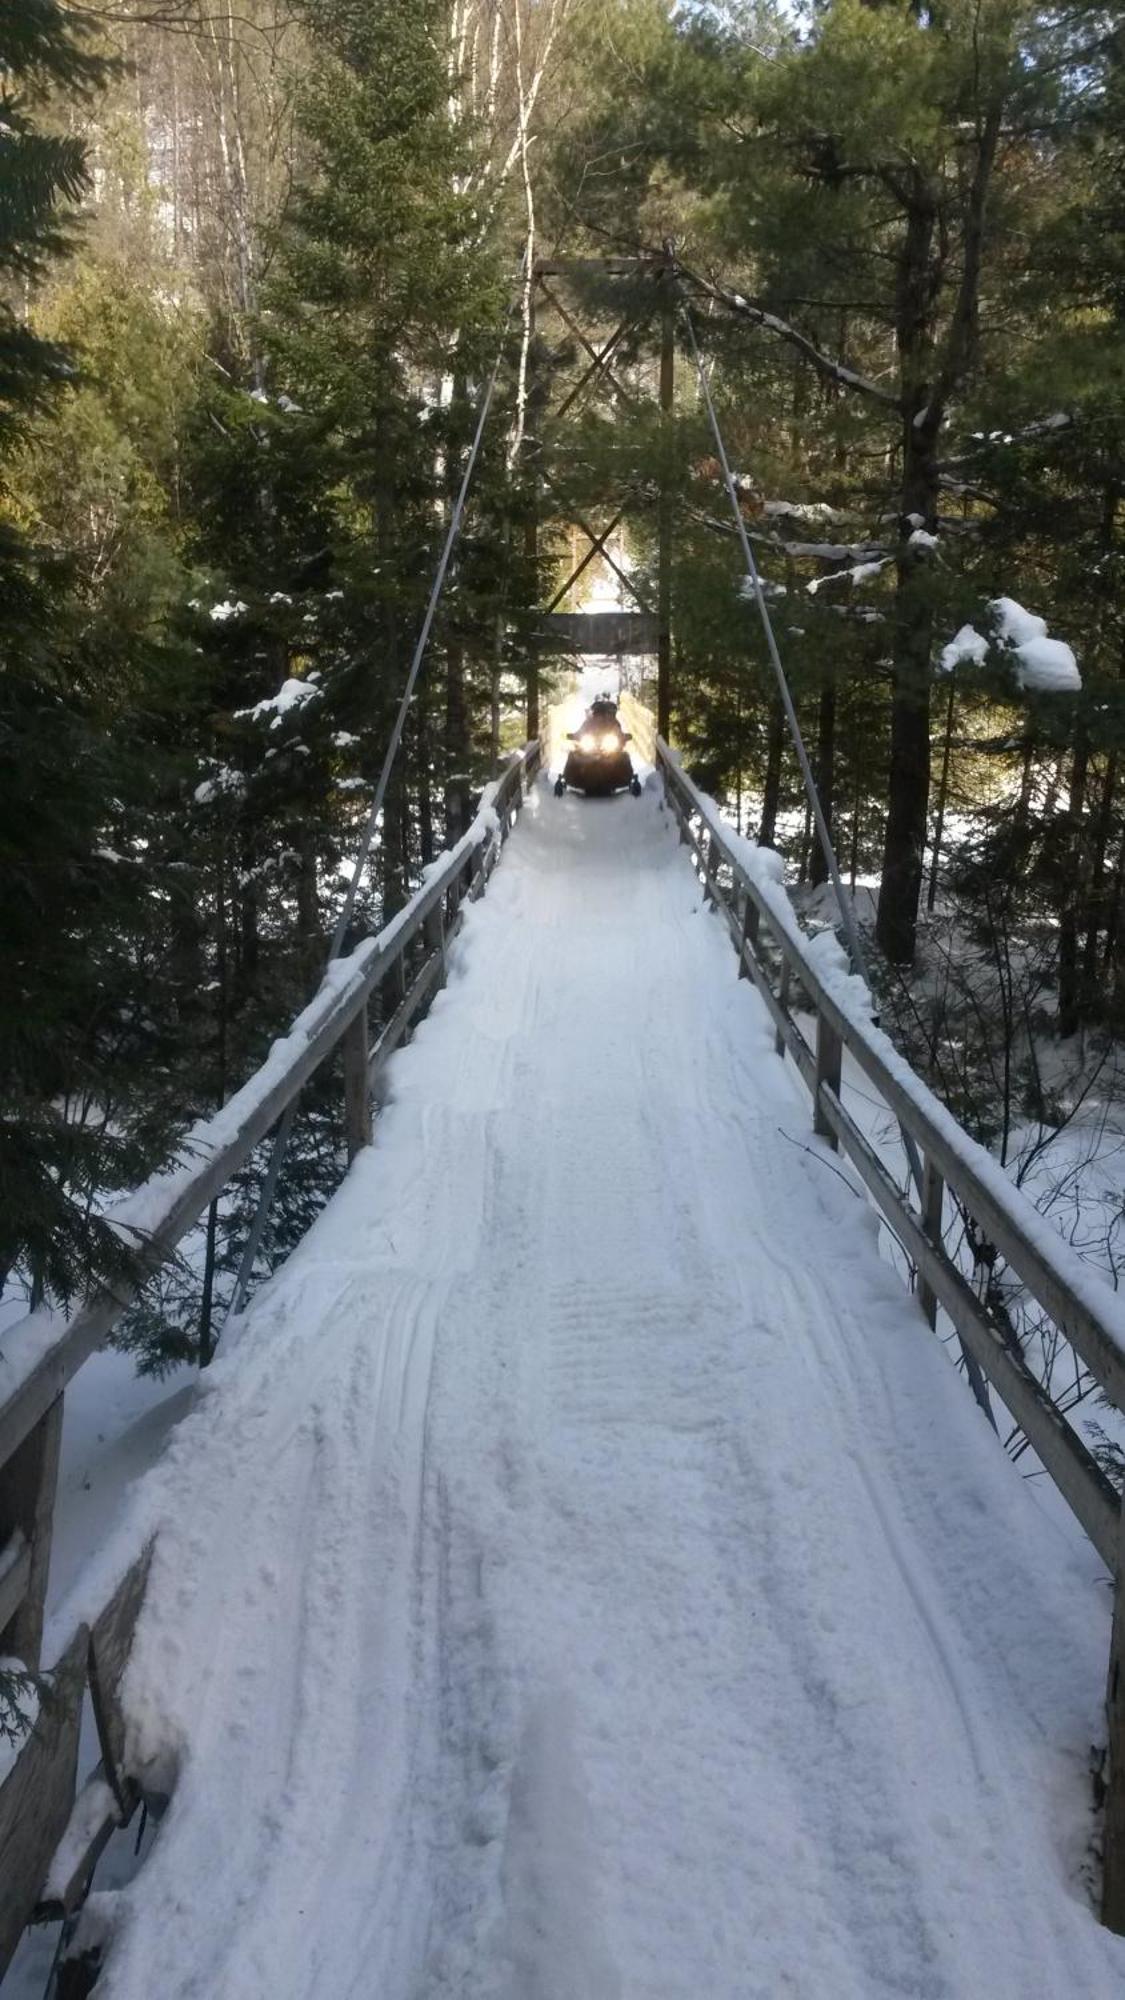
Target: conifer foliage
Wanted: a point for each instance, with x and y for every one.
(57, 765)
(234, 407)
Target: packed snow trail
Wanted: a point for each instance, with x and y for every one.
(587, 1578)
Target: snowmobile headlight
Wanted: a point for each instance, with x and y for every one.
(611, 741)
(588, 742)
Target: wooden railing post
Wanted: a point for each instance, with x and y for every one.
(750, 924)
(433, 932)
(357, 1095)
(933, 1212)
(783, 1002)
(709, 856)
(829, 1060)
(1113, 1846)
(27, 1507)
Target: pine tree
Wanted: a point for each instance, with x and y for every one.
(56, 765)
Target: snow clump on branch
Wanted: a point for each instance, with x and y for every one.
(1046, 665)
(292, 694)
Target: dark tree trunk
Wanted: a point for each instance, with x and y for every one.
(806, 841)
(909, 784)
(771, 793)
(943, 794)
(1070, 1010)
(393, 850)
(909, 780)
(1096, 912)
(309, 943)
(908, 796)
(424, 759)
(456, 744)
(249, 910)
(825, 772)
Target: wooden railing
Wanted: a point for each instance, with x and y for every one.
(403, 967)
(775, 954)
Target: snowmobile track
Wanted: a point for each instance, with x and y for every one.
(587, 1578)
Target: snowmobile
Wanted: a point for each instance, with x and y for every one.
(599, 762)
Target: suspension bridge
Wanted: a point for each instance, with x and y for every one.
(585, 1572)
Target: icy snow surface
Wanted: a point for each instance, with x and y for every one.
(586, 1578)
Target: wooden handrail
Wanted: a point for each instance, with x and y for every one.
(1083, 1306)
(43, 1352)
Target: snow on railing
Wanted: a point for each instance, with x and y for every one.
(744, 884)
(48, 1839)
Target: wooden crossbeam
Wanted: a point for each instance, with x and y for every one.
(619, 388)
(596, 366)
(597, 548)
(597, 544)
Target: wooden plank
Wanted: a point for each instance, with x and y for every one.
(933, 1220)
(28, 1482)
(1075, 1472)
(829, 1061)
(357, 1091)
(107, 1798)
(1089, 1336)
(786, 1032)
(407, 1011)
(37, 1796)
(94, 1819)
(751, 921)
(111, 1641)
(787, 1035)
(596, 633)
(779, 1039)
(15, 1575)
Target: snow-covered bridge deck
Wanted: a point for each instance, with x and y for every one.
(587, 1576)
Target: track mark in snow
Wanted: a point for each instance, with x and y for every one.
(588, 1580)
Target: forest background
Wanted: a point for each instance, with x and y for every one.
(256, 260)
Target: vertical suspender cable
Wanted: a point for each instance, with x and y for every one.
(451, 534)
(285, 1128)
(847, 912)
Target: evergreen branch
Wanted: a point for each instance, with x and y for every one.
(825, 365)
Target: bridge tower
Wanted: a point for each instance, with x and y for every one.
(601, 306)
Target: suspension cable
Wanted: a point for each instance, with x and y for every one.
(451, 534)
(339, 935)
(847, 912)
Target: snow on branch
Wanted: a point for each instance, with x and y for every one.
(291, 694)
(1043, 664)
(832, 370)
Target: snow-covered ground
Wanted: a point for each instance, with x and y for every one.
(585, 1578)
